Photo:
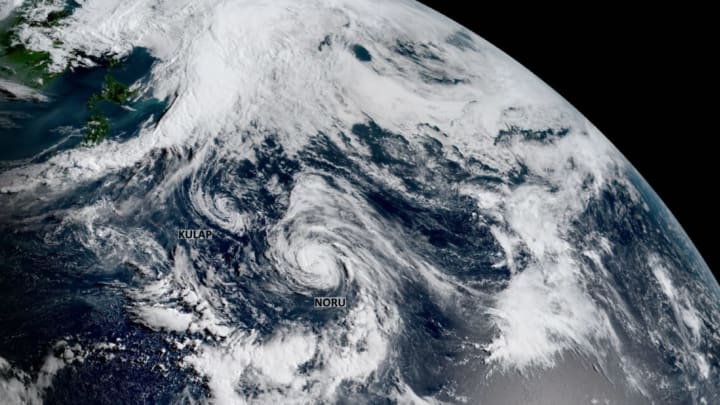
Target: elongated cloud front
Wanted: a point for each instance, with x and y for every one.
(479, 226)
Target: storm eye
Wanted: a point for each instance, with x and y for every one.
(362, 54)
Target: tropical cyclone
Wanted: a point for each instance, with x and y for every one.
(485, 235)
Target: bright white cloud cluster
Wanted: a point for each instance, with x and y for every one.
(288, 68)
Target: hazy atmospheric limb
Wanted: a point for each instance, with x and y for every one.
(334, 201)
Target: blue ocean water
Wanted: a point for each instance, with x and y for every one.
(54, 284)
(58, 124)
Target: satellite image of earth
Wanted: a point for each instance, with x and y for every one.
(322, 201)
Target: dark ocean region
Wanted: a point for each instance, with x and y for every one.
(35, 130)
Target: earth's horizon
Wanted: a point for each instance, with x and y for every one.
(327, 201)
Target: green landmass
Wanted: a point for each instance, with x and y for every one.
(19, 63)
(98, 127)
(53, 18)
(111, 60)
(26, 66)
(98, 124)
(114, 91)
(30, 68)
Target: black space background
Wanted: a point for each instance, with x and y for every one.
(644, 77)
